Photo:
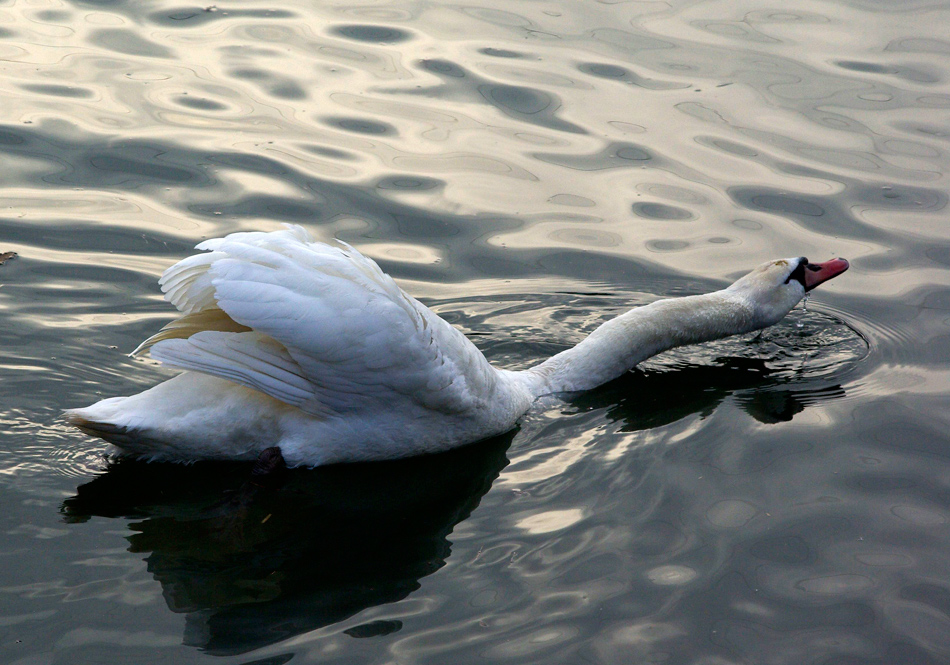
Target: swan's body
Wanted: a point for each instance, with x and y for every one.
(315, 350)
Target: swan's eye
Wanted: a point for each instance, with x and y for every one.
(799, 273)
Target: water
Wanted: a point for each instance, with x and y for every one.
(529, 170)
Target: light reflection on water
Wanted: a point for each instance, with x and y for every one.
(529, 171)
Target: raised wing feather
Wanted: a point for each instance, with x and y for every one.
(187, 284)
(345, 327)
(250, 358)
(210, 318)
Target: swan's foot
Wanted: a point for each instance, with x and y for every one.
(266, 474)
(269, 462)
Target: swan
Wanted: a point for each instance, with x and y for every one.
(314, 350)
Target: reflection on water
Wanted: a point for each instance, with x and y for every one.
(253, 562)
(774, 375)
(256, 561)
(528, 170)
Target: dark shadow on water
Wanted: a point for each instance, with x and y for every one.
(772, 375)
(254, 564)
(647, 398)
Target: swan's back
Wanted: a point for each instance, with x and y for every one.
(324, 330)
(323, 321)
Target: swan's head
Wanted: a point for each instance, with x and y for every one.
(774, 288)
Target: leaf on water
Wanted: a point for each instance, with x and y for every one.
(6, 256)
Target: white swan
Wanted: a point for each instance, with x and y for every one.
(292, 343)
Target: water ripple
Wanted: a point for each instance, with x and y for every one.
(529, 171)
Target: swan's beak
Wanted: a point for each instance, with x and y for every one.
(816, 273)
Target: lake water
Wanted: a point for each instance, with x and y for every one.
(529, 170)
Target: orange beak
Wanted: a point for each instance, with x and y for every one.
(817, 273)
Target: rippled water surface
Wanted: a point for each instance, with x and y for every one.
(529, 170)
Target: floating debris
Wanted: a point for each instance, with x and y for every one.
(6, 256)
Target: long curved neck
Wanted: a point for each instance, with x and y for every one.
(618, 345)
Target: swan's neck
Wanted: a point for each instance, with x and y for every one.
(618, 345)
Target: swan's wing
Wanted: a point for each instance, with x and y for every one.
(211, 318)
(187, 284)
(345, 328)
(249, 358)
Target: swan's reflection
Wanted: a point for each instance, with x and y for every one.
(647, 398)
(772, 375)
(254, 563)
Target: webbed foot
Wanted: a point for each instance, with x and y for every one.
(269, 461)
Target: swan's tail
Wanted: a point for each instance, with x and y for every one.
(170, 421)
(136, 442)
(117, 435)
(106, 420)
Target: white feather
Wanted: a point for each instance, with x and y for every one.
(251, 359)
(313, 348)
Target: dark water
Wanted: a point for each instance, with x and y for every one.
(529, 170)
